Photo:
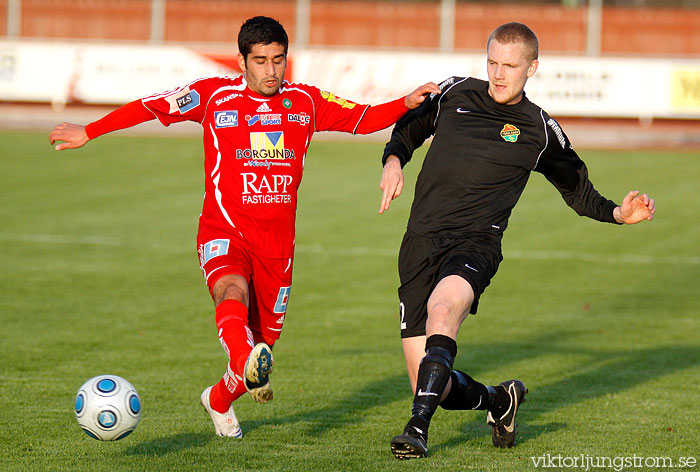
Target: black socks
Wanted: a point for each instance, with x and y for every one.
(468, 394)
(465, 394)
(433, 374)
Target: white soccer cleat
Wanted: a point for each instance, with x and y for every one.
(225, 424)
(257, 373)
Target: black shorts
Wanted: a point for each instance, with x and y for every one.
(424, 261)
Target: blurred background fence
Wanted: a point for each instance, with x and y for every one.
(637, 59)
(564, 26)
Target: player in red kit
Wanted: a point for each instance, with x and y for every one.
(257, 129)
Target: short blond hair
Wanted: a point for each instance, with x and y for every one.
(515, 32)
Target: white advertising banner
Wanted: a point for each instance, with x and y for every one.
(564, 86)
(35, 72)
(97, 73)
(118, 74)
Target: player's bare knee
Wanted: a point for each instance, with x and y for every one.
(439, 312)
(231, 287)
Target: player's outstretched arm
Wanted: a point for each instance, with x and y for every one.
(635, 208)
(73, 136)
(386, 114)
(391, 183)
(418, 96)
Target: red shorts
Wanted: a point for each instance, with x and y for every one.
(269, 280)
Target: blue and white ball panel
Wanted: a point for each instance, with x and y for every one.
(107, 407)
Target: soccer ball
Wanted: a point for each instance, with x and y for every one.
(107, 407)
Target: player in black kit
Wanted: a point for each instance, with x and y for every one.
(488, 137)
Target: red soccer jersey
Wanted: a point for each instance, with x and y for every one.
(254, 151)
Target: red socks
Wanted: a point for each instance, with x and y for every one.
(237, 340)
(226, 391)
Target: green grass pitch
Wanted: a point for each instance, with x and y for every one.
(100, 275)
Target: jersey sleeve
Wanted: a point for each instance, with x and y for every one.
(381, 116)
(412, 130)
(562, 167)
(131, 114)
(333, 113)
(186, 103)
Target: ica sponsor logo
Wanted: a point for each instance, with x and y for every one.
(226, 119)
(510, 133)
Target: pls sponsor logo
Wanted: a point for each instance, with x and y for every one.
(510, 133)
(226, 119)
(183, 100)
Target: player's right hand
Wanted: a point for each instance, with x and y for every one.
(418, 96)
(73, 136)
(391, 183)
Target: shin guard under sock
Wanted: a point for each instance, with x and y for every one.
(433, 374)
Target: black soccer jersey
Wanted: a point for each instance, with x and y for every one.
(480, 160)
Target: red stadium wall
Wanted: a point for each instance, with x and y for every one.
(652, 31)
(217, 21)
(86, 19)
(3, 19)
(409, 24)
(558, 29)
(383, 24)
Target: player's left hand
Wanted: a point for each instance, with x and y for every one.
(418, 96)
(635, 208)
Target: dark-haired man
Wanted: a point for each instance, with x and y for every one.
(488, 137)
(257, 129)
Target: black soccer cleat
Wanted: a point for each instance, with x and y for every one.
(409, 445)
(504, 427)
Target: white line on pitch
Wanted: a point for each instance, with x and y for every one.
(62, 239)
(515, 254)
(370, 251)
